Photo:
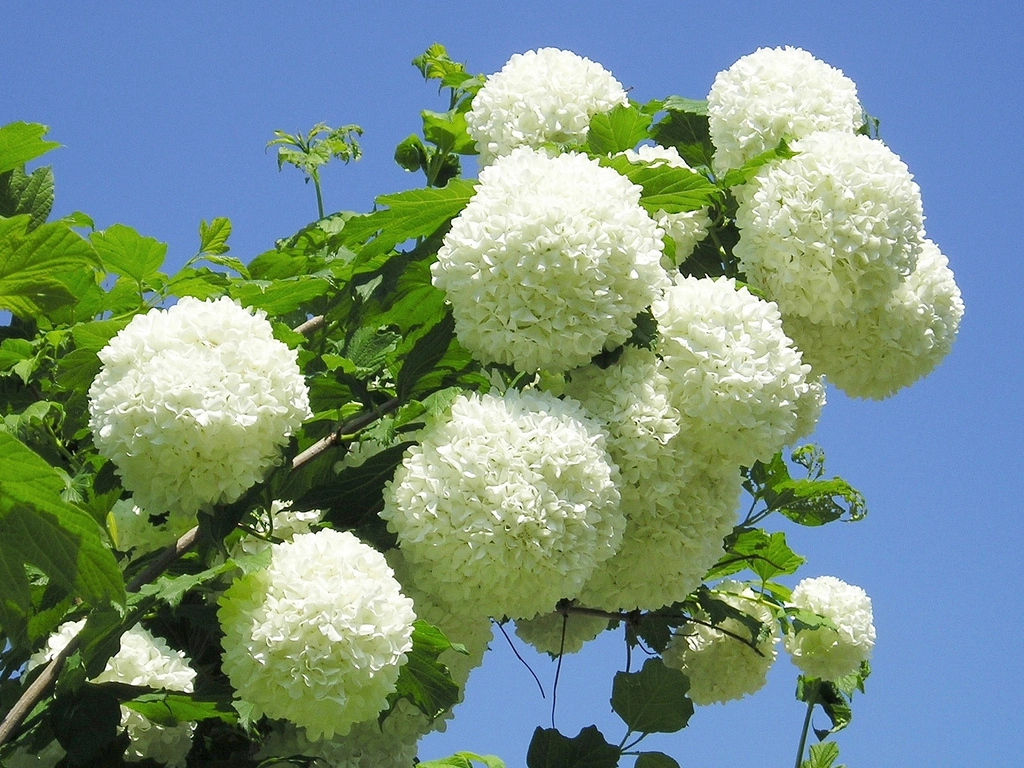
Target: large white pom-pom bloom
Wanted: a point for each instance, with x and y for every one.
(319, 636)
(557, 633)
(142, 660)
(193, 403)
(550, 262)
(507, 506)
(895, 344)
(686, 228)
(675, 526)
(539, 97)
(823, 651)
(830, 233)
(720, 666)
(735, 375)
(776, 93)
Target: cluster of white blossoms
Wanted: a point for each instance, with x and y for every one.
(550, 262)
(721, 666)
(319, 636)
(773, 94)
(831, 652)
(557, 633)
(194, 403)
(142, 660)
(831, 232)
(540, 97)
(686, 228)
(895, 344)
(735, 375)
(508, 505)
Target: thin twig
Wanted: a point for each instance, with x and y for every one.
(311, 325)
(338, 436)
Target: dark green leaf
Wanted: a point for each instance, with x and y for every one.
(448, 131)
(766, 555)
(652, 700)
(588, 749)
(427, 352)
(27, 194)
(685, 127)
(411, 154)
(86, 723)
(463, 760)
(21, 142)
(749, 169)
(423, 679)
(279, 297)
(620, 129)
(826, 695)
(655, 760)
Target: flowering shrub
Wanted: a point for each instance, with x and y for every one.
(320, 478)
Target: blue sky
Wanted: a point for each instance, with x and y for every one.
(164, 111)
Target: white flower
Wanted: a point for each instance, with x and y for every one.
(556, 633)
(776, 93)
(722, 667)
(142, 660)
(194, 403)
(541, 96)
(735, 376)
(319, 636)
(809, 404)
(550, 262)
(824, 651)
(132, 528)
(895, 344)
(686, 228)
(830, 233)
(675, 525)
(507, 506)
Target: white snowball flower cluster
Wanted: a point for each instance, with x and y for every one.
(809, 406)
(735, 375)
(675, 527)
(895, 344)
(550, 262)
(831, 232)
(318, 637)
(142, 660)
(825, 652)
(369, 744)
(507, 506)
(776, 93)
(555, 633)
(539, 97)
(133, 529)
(686, 228)
(721, 667)
(193, 403)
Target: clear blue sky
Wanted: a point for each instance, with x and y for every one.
(164, 110)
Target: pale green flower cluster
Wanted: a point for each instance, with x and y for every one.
(836, 649)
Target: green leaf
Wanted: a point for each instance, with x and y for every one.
(411, 154)
(448, 131)
(32, 262)
(655, 760)
(652, 700)
(685, 127)
(169, 709)
(620, 129)
(21, 142)
(808, 501)
(27, 194)
(749, 169)
(213, 237)
(279, 297)
(826, 695)
(423, 679)
(416, 213)
(665, 187)
(767, 555)
(588, 749)
(427, 352)
(37, 526)
(822, 755)
(86, 723)
(125, 252)
(463, 760)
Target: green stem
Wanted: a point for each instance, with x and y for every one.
(319, 196)
(806, 728)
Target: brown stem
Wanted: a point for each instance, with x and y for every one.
(347, 428)
(311, 325)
